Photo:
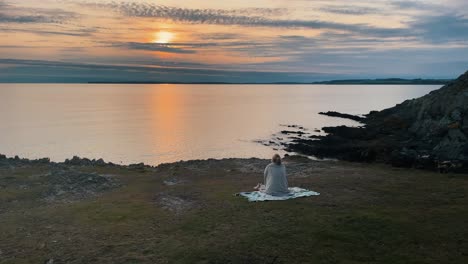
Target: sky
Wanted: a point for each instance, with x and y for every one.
(231, 41)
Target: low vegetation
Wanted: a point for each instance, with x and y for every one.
(187, 212)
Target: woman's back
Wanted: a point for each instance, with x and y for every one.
(275, 179)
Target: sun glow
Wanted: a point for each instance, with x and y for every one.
(163, 37)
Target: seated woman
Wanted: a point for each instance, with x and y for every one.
(274, 178)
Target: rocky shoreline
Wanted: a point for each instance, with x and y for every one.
(429, 133)
(78, 178)
(75, 161)
(67, 181)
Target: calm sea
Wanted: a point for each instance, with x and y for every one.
(127, 123)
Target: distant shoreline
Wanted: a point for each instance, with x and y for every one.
(389, 81)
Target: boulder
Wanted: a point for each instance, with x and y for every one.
(100, 162)
(78, 161)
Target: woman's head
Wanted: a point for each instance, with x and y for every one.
(276, 159)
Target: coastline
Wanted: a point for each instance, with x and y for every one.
(85, 211)
(425, 133)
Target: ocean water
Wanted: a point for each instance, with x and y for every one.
(128, 123)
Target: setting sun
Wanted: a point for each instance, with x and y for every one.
(163, 37)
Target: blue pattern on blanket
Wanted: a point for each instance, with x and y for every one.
(294, 192)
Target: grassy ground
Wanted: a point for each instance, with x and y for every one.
(187, 213)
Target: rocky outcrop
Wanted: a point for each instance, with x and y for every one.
(70, 163)
(65, 182)
(77, 161)
(424, 133)
(342, 115)
(6, 161)
(67, 185)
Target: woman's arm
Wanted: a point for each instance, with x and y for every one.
(265, 174)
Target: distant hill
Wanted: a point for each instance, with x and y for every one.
(388, 81)
(336, 82)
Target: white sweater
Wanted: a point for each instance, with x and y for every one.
(275, 179)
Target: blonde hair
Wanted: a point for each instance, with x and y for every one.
(276, 159)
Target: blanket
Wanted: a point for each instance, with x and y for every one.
(294, 192)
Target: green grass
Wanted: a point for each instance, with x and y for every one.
(365, 214)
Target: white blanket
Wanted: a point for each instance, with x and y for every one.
(294, 192)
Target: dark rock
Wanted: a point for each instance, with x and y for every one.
(74, 161)
(403, 158)
(465, 123)
(20, 162)
(100, 162)
(342, 115)
(79, 161)
(368, 155)
(346, 132)
(287, 132)
(295, 126)
(450, 166)
(425, 162)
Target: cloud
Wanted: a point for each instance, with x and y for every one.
(350, 10)
(255, 11)
(417, 5)
(221, 36)
(153, 47)
(193, 47)
(5, 18)
(441, 28)
(426, 27)
(143, 9)
(47, 63)
(73, 33)
(227, 17)
(265, 40)
(14, 14)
